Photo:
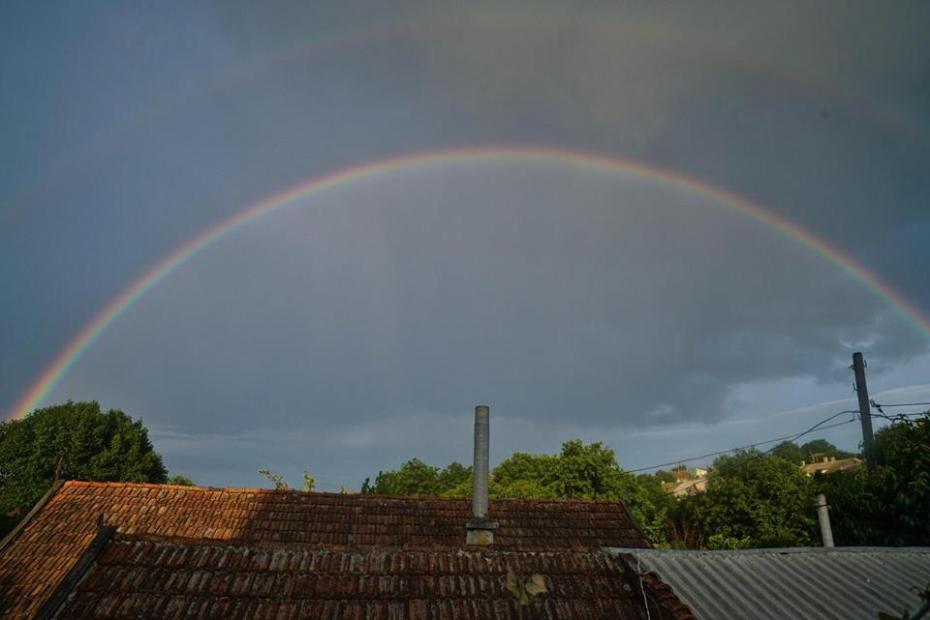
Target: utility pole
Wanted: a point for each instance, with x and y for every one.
(823, 516)
(865, 410)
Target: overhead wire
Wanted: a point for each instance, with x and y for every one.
(894, 417)
(795, 436)
(791, 437)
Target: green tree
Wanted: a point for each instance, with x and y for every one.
(520, 489)
(887, 503)
(796, 454)
(790, 451)
(453, 476)
(665, 476)
(73, 441)
(753, 499)
(181, 480)
(524, 476)
(590, 472)
(413, 478)
(652, 507)
(823, 447)
(580, 471)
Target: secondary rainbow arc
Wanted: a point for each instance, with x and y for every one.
(89, 334)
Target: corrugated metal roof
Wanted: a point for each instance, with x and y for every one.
(810, 583)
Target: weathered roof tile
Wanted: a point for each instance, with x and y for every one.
(313, 548)
(364, 584)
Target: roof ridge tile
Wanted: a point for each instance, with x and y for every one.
(336, 494)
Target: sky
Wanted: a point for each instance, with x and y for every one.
(643, 303)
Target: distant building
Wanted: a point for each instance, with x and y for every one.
(684, 488)
(822, 464)
(692, 482)
(687, 482)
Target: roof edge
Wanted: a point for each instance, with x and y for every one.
(661, 595)
(156, 485)
(636, 524)
(25, 521)
(765, 551)
(78, 571)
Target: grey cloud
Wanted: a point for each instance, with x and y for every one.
(360, 329)
(542, 289)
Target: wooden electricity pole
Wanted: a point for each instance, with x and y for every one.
(865, 410)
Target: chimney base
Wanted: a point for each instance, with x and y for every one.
(480, 532)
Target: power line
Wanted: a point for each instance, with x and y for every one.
(904, 404)
(820, 424)
(795, 436)
(899, 416)
(791, 437)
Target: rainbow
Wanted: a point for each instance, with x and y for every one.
(89, 334)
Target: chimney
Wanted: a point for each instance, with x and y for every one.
(823, 515)
(480, 529)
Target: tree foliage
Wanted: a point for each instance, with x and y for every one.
(417, 478)
(579, 471)
(796, 454)
(888, 502)
(72, 441)
(753, 500)
(790, 451)
(823, 447)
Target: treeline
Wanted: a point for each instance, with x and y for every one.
(579, 471)
(752, 499)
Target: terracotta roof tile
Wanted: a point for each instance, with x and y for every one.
(220, 580)
(48, 546)
(664, 594)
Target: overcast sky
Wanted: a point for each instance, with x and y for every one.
(359, 327)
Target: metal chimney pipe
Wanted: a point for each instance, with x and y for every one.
(479, 489)
(480, 529)
(823, 516)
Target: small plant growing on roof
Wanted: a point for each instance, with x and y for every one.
(279, 483)
(525, 588)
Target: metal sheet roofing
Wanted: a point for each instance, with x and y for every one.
(810, 583)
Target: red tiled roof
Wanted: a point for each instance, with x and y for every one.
(48, 546)
(165, 579)
(663, 593)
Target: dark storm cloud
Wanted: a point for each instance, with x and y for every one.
(540, 288)
(818, 113)
(360, 331)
